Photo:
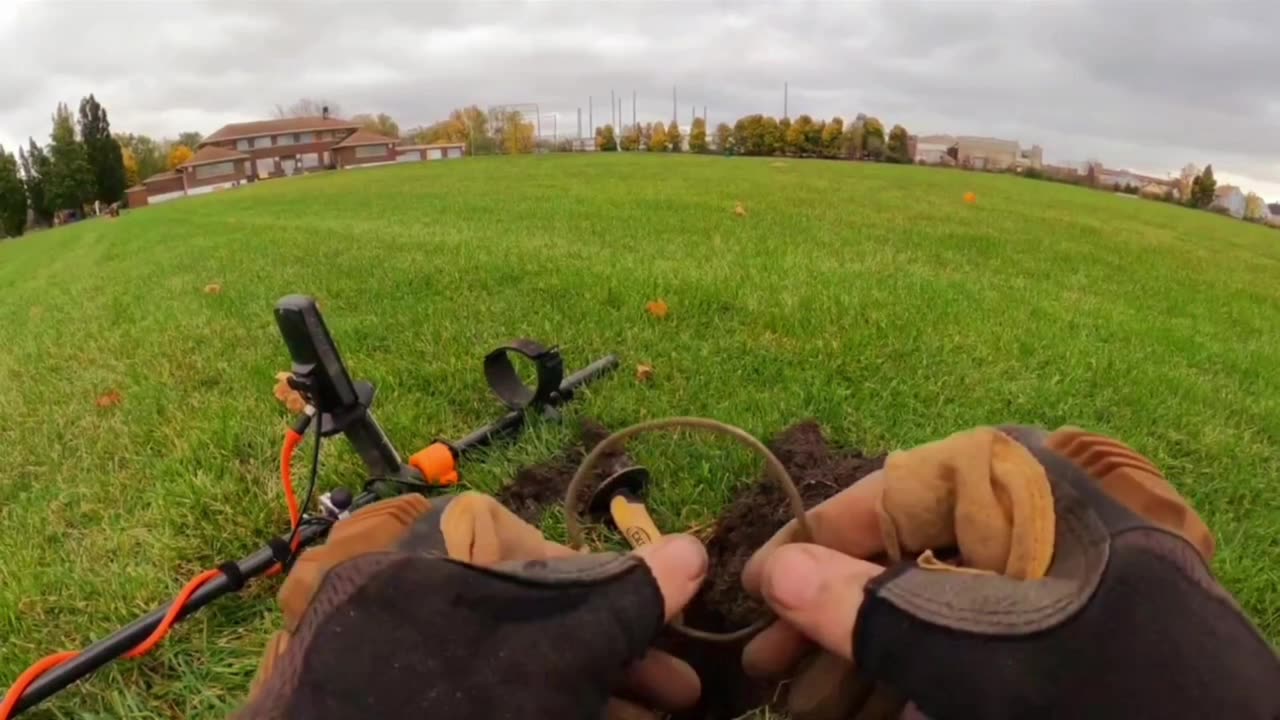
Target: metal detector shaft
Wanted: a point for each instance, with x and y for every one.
(514, 420)
(128, 637)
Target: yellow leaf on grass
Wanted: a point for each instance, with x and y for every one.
(658, 308)
(110, 399)
(291, 398)
(644, 372)
(739, 209)
(213, 289)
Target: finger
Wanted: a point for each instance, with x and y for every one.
(846, 522)
(817, 591)
(663, 680)
(619, 709)
(775, 651)
(679, 565)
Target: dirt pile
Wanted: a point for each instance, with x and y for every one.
(758, 511)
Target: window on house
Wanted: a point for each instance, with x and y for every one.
(365, 151)
(264, 141)
(305, 137)
(244, 143)
(215, 169)
(284, 139)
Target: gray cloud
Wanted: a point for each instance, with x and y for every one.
(1135, 83)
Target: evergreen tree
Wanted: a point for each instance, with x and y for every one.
(69, 183)
(13, 197)
(35, 176)
(106, 161)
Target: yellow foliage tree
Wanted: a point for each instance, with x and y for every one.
(658, 138)
(674, 138)
(178, 155)
(698, 135)
(130, 167)
(381, 123)
(1253, 207)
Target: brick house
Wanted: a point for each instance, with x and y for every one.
(252, 151)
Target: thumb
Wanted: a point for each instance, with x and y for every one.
(679, 565)
(818, 591)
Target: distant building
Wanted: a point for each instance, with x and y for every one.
(1229, 198)
(932, 149)
(983, 153)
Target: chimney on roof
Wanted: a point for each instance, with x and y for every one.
(324, 112)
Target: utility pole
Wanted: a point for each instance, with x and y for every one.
(784, 100)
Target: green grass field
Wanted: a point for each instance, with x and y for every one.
(868, 296)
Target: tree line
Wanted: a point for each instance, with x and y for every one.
(761, 135)
(81, 163)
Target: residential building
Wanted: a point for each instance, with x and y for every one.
(252, 151)
(932, 150)
(1229, 198)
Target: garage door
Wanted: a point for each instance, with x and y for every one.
(411, 156)
(433, 154)
(455, 152)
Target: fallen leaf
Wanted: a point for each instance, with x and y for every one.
(644, 372)
(739, 209)
(213, 289)
(658, 308)
(111, 399)
(292, 399)
(970, 198)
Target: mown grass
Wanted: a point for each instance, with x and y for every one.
(867, 296)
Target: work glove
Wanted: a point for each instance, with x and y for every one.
(455, 608)
(1030, 574)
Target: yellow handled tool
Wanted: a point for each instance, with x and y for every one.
(619, 502)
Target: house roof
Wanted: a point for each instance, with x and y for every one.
(212, 154)
(257, 128)
(365, 137)
(161, 176)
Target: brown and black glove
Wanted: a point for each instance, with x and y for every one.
(1031, 574)
(456, 608)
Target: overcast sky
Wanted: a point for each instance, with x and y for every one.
(1136, 83)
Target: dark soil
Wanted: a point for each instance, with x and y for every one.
(819, 472)
(538, 487)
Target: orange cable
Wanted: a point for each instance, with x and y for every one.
(291, 441)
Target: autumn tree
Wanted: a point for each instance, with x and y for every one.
(1203, 188)
(873, 141)
(675, 139)
(605, 139)
(148, 155)
(514, 134)
(899, 148)
(13, 197)
(794, 134)
(770, 136)
(698, 135)
(130, 163)
(106, 162)
(855, 136)
(178, 154)
(35, 174)
(307, 107)
(724, 137)
(630, 138)
(469, 125)
(381, 124)
(832, 140)
(658, 139)
(70, 180)
(1254, 208)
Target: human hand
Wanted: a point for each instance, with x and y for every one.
(1127, 621)
(453, 607)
